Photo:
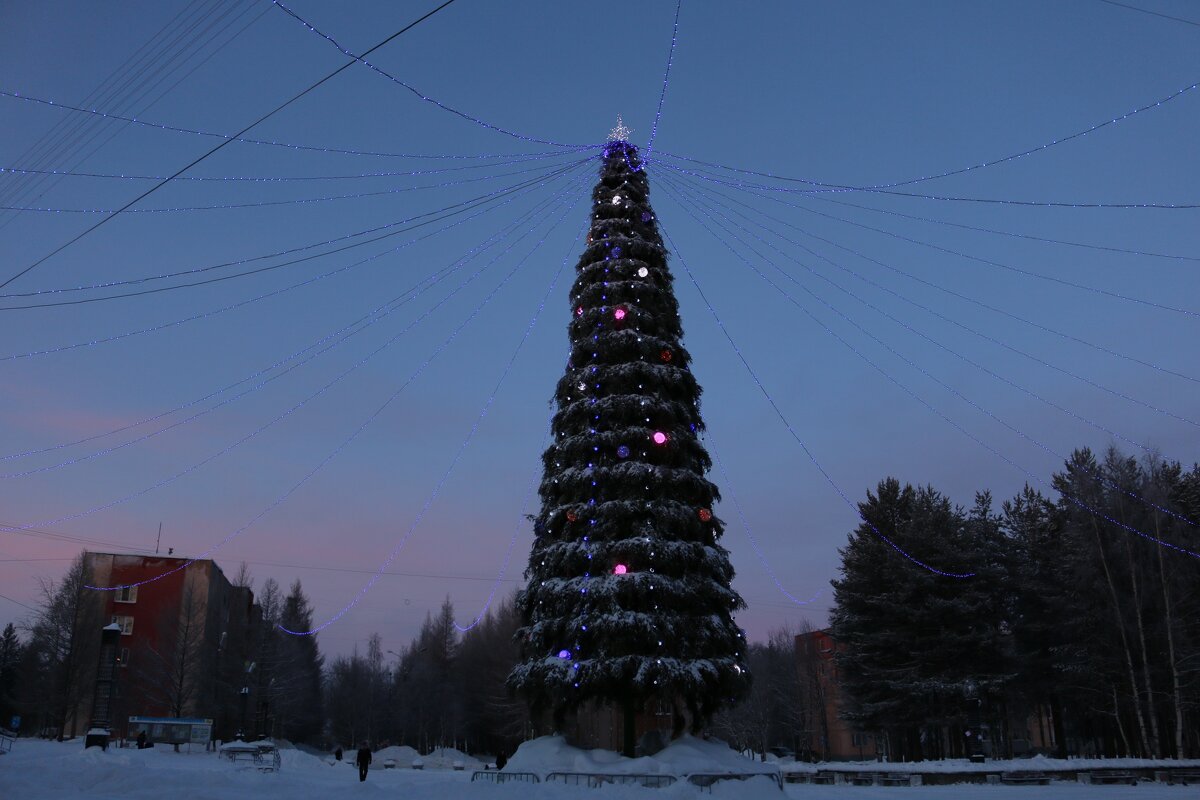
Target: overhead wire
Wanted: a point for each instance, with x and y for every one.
(460, 207)
(354, 434)
(792, 431)
(361, 59)
(225, 142)
(959, 170)
(314, 395)
(1004, 423)
(242, 303)
(201, 43)
(978, 259)
(959, 295)
(462, 448)
(345, 333)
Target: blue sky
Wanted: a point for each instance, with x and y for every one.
(854, 94)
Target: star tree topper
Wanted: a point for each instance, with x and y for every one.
(619, 133)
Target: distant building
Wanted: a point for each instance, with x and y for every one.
(833, 738)
(183, 644)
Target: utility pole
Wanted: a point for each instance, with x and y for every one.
(159, 539)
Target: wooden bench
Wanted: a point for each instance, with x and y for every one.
(1174, 776)
(1108, 776)
(820, 777)
(898, 779)
(1021, 778)
(263, 757)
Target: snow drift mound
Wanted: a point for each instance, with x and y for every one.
(684, 756)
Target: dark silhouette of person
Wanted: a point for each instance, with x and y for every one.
(501, 760)
(141, 740)
(338, 754)
(363, 760)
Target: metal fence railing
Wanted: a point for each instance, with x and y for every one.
(595, 780)
(497, 776)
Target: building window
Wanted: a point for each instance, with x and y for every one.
(126, 624)
(127, 594)
(123, 657)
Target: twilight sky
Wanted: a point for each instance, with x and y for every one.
(1069, 345)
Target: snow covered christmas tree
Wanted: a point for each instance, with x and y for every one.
(629, 599)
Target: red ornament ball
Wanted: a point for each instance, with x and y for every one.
(705, 515)
(572, 516)
(666, 355)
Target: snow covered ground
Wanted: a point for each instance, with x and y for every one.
(38, 770)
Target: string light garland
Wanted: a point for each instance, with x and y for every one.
(34, 265)
(171, 479)
(349, 332)
(762, 558)
(512, 540)
(240, 304)
(987, 261)
(779, 412)
(361, 59)
(923, 371)
(663, 94)
(518, 159)
(462, 448)
(461, 207)
(1036, 359)
(959, 170)
(272, 203)
(267, 142)
(952, 293)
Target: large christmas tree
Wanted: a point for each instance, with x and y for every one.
(629, 598)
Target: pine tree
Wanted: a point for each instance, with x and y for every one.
(629, 596)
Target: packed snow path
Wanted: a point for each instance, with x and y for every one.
(39, 770)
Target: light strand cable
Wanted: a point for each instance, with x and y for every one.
(461, 207)
(958, 295)
(348, 440)
(457, 456)
(345, 334)
(978, 259)
(512, 540)
(439, 104)
(662, 97)
(935, 410)
(905, 359)
(1010, 234)
(287, 178)
(1151, 13)
(176, 476)
(255, 299)
(50, 183)
(959, 170)
(197, 160)
(555, 170)
(273, 203)
(998, 342)
(779, 413)
(65, 133)
(263, 142)
(727, 484)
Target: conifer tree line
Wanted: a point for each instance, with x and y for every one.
(1069, 614)
(1073, 631)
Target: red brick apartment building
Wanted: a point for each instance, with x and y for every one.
(177, 646)
(833, 739)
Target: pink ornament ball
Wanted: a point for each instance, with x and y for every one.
(619, 313)
(620, 569)
(659, 438)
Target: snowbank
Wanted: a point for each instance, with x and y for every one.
(684, 756)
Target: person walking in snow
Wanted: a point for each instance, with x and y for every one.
(363, 761)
